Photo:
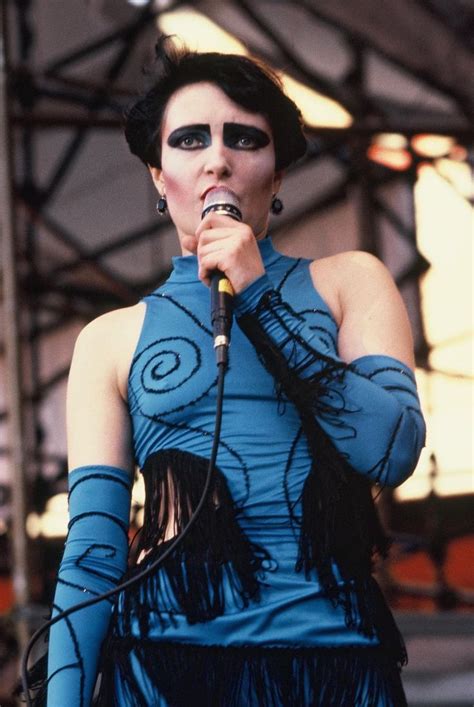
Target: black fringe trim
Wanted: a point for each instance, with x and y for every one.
(191, 580)
(340, 527)
(215, 676)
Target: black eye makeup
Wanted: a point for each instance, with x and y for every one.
(237, 136)
(190, 137)
(244, 137)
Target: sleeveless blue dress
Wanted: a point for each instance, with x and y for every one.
(263, 462)
(269, 601)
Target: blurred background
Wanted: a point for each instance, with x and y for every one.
(387, 94)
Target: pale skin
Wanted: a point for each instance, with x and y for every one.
(356, 286)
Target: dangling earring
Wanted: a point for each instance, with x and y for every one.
(162, 205)
(277, 205)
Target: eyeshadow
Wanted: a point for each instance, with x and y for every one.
(234, 131)
(201, 130)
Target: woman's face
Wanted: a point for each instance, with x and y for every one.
(207, 141)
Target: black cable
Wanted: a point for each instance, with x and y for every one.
(156, 563)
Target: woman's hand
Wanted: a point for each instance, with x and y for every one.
(221, 243)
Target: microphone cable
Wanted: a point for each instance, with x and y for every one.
(223, 201)
(151, 568)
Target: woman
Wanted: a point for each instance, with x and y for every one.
(269, 600)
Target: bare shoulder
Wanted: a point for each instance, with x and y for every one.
(370, 311)
(110, 323)
(363, 276)
(349, 264)
(98, 424)
(340, 277)
(362, 263)
(108, 342)
(336, 275)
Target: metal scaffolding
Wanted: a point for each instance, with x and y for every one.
(81, 283)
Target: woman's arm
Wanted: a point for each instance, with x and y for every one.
(372, 315)
(96, 548)
(364, 399)
(98, 426)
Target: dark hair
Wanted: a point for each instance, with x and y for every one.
(248, 82)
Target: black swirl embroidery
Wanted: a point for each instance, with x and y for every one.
(378, 469)
(102, 476)
(77, 652)
(312, 318)
(102, 514)
(168, 363)
(402, 371)
(148, 372)
(85, 590)
(319, 312)
(291, 505)
(108, 553)
(184, 309)
(400, 389)
(158, 373)
(206, 433)
(287, 274)
(172, 374)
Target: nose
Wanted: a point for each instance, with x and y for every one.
(218, 160)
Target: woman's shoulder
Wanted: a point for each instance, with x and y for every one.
(342, 276)
(350, 270)
(108, 342)
(113, 326)
(350, 262)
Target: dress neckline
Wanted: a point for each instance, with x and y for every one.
(185, 267)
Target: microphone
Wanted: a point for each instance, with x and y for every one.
(222, 201)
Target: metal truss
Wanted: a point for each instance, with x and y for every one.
(80, 284)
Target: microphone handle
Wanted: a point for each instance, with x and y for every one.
(221, 314)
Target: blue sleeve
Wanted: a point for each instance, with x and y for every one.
(369, 408)
(95, 557)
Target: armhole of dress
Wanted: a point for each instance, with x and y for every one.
(146, 315)
(309, 281)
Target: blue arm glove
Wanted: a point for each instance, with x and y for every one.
(95, 557)
(369, 408)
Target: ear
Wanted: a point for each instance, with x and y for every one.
(277, 180)
(157, 177)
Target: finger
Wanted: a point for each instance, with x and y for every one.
(207, 266)
(222, 230)
(217, 255)
(217, 236)
(215, 220)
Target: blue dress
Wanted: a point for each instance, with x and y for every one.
(260, 606)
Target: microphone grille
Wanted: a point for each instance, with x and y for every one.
(224, 201)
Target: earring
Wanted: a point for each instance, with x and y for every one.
(162, 205)
(277, 205)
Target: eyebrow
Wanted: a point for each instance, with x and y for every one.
(194, 127)
(229, 130)
(261, 136)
